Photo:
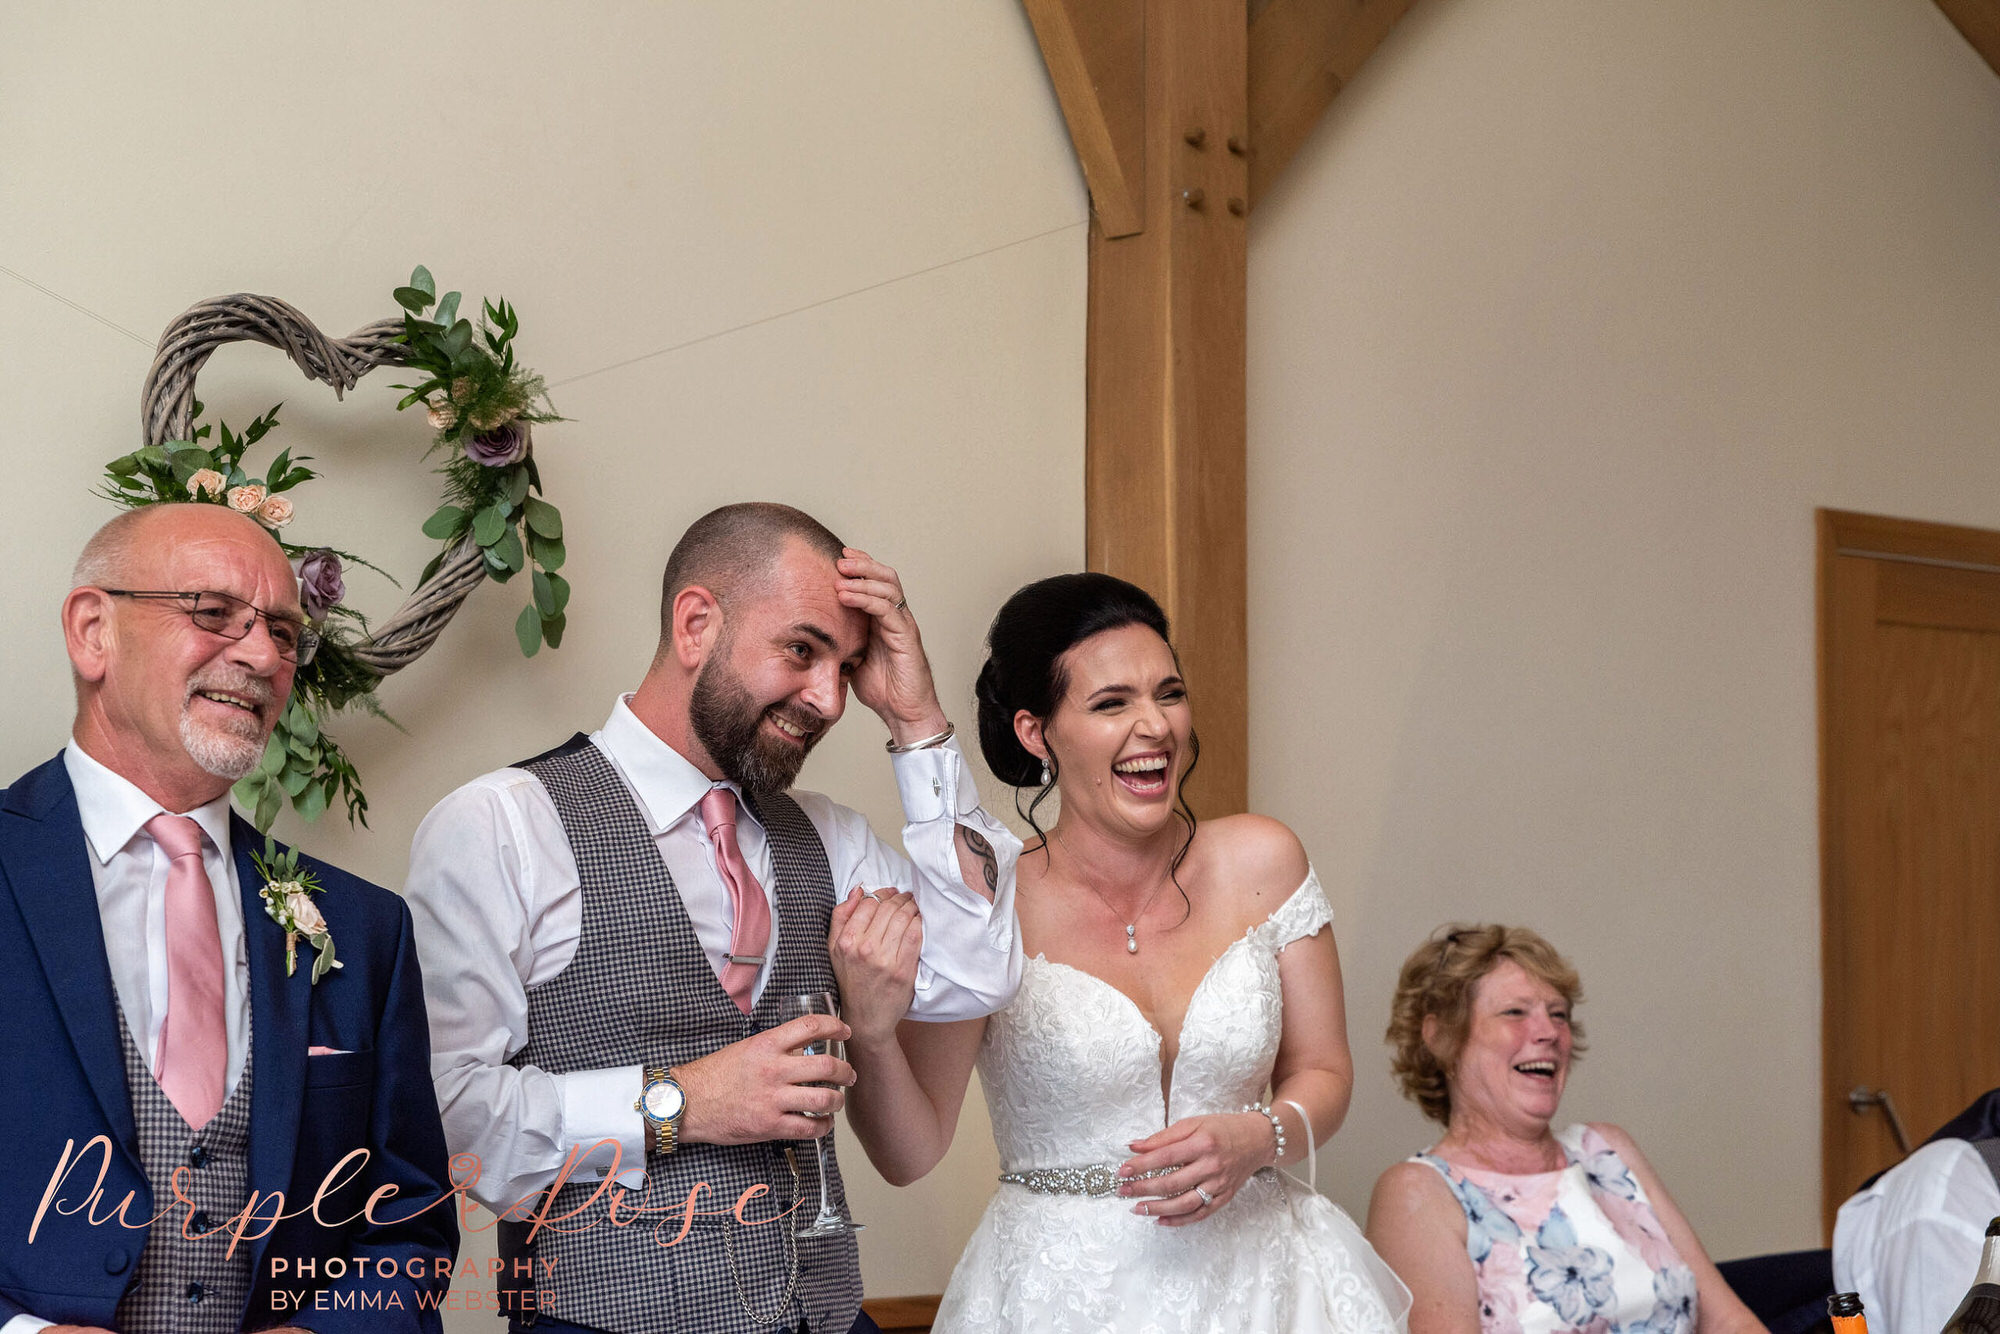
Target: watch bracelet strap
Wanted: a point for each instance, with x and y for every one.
(666, 1135)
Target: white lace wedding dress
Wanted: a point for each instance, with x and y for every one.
(1072, 1077)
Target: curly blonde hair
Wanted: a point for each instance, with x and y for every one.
(1437, 980)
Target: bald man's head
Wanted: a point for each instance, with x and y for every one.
(178, 705)
(730, 551)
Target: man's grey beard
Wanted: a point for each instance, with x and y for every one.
(726, 720)
(221, 750)
(224, 754)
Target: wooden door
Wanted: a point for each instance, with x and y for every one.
(1910, 831)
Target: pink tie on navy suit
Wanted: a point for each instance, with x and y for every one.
(193, 1056)
(752, 912)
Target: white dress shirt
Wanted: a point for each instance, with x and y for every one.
(495, 892)
(1910, 1243)
(129, 871)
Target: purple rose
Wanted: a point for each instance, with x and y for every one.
(499, 447)
(320, 584)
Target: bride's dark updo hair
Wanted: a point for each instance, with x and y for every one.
(1024, 670)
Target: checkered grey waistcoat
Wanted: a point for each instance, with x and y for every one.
(640, 991)
(183, 1286)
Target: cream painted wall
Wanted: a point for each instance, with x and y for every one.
(830, 254)
(1560, 327)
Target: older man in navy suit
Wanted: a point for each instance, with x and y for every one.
(198, 1139)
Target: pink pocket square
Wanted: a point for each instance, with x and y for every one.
(325, 1051)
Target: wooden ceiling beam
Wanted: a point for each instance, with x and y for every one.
(1180, 112)
(1302, 53)
(1979, 20)
(1095, 51)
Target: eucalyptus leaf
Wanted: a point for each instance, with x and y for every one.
(552, 630)
(488, 524)
(517, 487)
(270, 800)
(549, 552)
(447, 310)
(420, 278)
(545, 595)
(295, 780)
(412, 299)
(445, 523)
(275, 752)
(528, 629)
(312, 804)
(544, 518)
(508, 548)
(499, 571)
(307, 727)
(324, 963)
(559, 586)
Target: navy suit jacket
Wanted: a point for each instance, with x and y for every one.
(62, 1082)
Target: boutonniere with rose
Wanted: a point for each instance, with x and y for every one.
(287, 895)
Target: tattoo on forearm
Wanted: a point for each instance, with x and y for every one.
(989, 863)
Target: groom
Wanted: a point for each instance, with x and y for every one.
(154, 1048)
(611, 932)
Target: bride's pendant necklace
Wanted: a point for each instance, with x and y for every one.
(1131, 927)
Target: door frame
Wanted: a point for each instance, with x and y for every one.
(1851, 533)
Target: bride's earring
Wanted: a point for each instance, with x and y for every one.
(1045, 773)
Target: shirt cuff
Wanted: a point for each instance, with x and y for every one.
(26, 1324)
(929, 781)
(600, 1108)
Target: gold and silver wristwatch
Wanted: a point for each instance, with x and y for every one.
(662, 1103)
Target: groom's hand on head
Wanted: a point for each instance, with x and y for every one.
(894, 678)
(762, 1087)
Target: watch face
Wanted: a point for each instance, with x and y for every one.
(663, 1100)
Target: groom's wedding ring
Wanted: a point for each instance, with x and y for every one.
(1206, 1198)
(900, 604)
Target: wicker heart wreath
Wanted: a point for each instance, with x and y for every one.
(482, 407)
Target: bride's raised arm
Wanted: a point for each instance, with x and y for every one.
(910, 1076)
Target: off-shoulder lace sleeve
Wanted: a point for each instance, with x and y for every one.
(1299, 916)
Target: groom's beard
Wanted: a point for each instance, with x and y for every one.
(728, 722)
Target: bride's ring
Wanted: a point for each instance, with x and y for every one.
(1206, 1198)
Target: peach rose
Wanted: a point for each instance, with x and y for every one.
(246, 499)
(305, 913)
(443, 416)
(207, 482)
(276, 511)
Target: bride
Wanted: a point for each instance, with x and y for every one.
(1176, 972)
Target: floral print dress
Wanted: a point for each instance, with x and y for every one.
(1574, 1251)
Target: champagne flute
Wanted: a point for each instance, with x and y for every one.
(830, 1222)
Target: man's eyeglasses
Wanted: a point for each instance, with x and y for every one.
(233, 618)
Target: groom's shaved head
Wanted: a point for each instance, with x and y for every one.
(729, 550)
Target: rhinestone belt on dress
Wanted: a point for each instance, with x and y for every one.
(1098, 1181)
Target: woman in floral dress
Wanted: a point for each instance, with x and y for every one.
(1506, 1226)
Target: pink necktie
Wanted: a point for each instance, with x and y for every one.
(193, 1056)
(752, 911)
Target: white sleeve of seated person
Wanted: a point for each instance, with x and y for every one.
(971, 960)
(1910, 1243)
(477, 895)
(26, 1324)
